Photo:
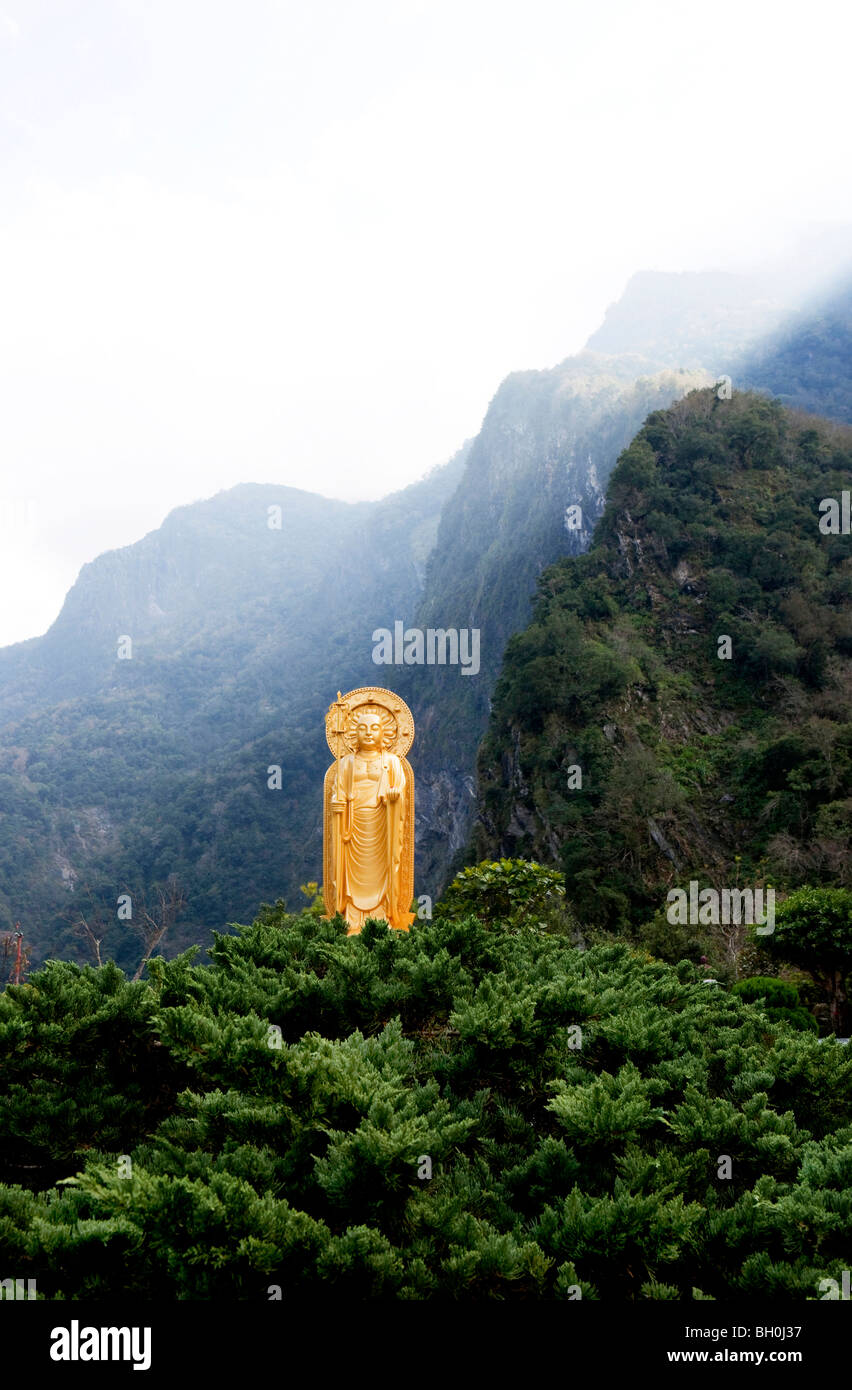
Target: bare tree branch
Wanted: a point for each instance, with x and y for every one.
(155, 925)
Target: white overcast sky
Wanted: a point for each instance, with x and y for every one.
(302, 242)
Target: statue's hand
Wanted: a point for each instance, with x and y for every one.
(393, 793)
(337, 806)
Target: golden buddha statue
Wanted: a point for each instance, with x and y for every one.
(368, 821)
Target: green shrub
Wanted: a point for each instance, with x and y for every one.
(777, 994)
(515, 891)
(779, 998)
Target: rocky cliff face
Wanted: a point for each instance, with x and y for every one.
(532, 490)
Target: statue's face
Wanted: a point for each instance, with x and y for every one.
(369, 733)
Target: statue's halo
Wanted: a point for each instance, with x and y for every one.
(399, 725)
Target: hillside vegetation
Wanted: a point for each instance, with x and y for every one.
(623, 746)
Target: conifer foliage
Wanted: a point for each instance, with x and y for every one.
(475, 1110)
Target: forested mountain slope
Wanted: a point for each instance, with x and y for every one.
(690, 762)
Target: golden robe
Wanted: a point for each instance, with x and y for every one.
(367, 839)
